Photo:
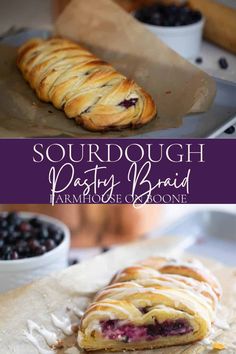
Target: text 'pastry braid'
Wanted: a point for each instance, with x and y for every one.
(86, 88)
(157, 303)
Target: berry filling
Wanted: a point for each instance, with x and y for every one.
(128, 333)
(128, 103)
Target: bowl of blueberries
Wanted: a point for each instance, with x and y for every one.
(31, 247)
(178, 26)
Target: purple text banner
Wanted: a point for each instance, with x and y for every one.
(82, 171)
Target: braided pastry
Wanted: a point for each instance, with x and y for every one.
(86, 88)
(158, 303)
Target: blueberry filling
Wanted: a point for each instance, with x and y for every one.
(128, 103)
(128, 333)
(144, 310)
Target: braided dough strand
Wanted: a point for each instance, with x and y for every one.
(157, 303)
(88, 90)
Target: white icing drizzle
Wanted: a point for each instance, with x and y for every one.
(79, 313)
(64, 325)
(49, 337)
(207, 342)
(35, 343)
(222, 324)
(94, 326)
(72, 350)
(195, 302)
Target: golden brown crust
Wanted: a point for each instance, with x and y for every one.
(142, 297)
(189, 268)
(88, 90)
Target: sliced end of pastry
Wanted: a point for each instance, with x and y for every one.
(119, 325)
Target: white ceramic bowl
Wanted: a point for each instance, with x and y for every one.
(23, 271)
(185, 40)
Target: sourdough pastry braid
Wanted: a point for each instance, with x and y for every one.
(86, 88)
(158, 303)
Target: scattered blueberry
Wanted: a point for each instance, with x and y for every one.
(73, 261)
(168, 15)
(24, 238)
(105, 249)
(199, 60)
(230, 130)
(223, 63)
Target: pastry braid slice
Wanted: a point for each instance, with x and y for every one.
(88, 90)
(143, 308)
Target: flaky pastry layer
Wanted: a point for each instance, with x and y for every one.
(146, 307)
(88, 89)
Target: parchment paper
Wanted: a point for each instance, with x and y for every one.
(74, 288)
(177, 86)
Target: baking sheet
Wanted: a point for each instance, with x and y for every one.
(220, 116)
(208, 233)
(213, 234)
(177, 86)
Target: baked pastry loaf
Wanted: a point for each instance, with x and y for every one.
(85, 87)
(147, 307)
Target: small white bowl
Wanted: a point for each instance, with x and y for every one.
(185, 40)
(20, 272)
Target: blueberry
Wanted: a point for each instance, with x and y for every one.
(230, 130)
(14, 255)
(1, 244)
(43, 233)
(58, 237)
(3, 224)
(73, 261)
(223, 63)
(24, 226)
(33, 244)
(26, 235)
(199, 60)
(153, 330)
(50, 244)
(11, 256)
(35, 222)
(13, 237)
(105, 249)
(3, 234)
(12, 218)
(52, 230)
(21, 246)
(10, 228)
(40, 250)
(6, 249)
